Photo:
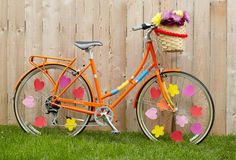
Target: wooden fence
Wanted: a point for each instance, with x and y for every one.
(49, 27)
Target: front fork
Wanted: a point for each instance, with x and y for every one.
(164, 91)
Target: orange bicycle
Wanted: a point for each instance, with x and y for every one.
(170, 103)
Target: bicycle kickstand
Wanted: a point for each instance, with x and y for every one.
(114, 129)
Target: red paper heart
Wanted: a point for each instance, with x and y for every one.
(177, 136)
(78, 92)
(196, 111)
(155, 92)
(40, 122)
(38, 85)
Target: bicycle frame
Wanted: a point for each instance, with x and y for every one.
(133, 81)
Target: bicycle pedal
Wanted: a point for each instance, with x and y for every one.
(115, 132)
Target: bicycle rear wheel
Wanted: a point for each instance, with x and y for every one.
(33, 109)
(195, 109)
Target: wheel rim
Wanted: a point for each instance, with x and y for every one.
(32, 95)
(192, 122)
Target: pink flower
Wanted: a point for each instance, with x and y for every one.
(181, 120)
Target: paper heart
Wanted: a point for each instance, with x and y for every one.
(189, 91)
(151, 113)
(155, 92)
(78, 92)
(177, 136)
(162, 105)
(196, 111)
(29, 102)
(40, 122)
(38, 85)
(64, 81)
(196, 128)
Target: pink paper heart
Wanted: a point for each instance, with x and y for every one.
(155, 92)
(78, 92)
(151, 113)
(38, 85)
(64, 81)
(29, 102)
(40, 122)
(189, 91)
(196, 128)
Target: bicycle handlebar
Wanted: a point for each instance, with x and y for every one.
(143, 26)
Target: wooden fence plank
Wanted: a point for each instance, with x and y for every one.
(218, 64)
(201, 33)
(117, 55)
(134, 42)
(3, 61)
(51, 18)
(101, 33)
(151, 8)
(231, 68)
(84, 30)
(168, 60)
(33, 43)
(67, 28)
(15, 50)
(184, 61)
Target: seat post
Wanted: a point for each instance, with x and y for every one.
(90, 53)
(94, 71)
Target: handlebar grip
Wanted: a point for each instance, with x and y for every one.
(137, 28)
(144, 26)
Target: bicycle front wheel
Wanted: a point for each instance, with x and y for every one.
(32, 102)
(195, 109)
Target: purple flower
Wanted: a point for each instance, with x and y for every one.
(176, 18)
(186, 16)
(170, 18)
(166, 15)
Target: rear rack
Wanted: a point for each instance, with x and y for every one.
(44, 60)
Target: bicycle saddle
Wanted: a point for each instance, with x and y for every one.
(84, 45)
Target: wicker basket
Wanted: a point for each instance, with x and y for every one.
(169, 43)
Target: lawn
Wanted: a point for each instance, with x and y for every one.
(15, 144)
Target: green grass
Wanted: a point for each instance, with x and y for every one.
(16, 144)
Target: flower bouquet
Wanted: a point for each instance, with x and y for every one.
(171, 30)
